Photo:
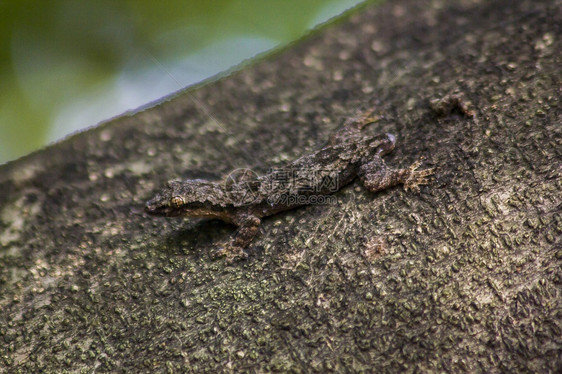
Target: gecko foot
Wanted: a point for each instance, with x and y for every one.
(448, 104)
(365, 119)
(231, 253)
(414, 178)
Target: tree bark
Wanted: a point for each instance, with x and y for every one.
(465, 276)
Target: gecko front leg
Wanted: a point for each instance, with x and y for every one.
(248, 226)
(376, 176)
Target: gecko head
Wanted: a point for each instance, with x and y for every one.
(187, 198)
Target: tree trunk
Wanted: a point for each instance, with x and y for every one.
(464, 276)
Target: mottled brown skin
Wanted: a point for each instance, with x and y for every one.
(245, 199)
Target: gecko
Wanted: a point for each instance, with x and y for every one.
(244, 199)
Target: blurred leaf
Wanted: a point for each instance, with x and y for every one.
(66, 65)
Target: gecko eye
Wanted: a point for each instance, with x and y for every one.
(177, 201)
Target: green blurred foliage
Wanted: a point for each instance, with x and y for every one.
(55, 53)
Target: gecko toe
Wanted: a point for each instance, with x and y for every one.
(416, 177)
(230, 253)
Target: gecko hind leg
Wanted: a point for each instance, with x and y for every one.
(354, 126)
(376, 176)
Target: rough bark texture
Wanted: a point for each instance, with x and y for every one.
(465, 276)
